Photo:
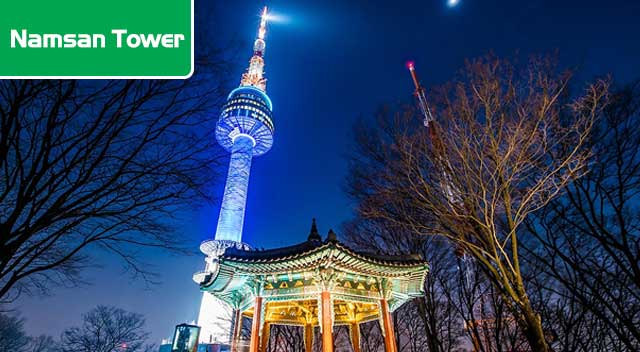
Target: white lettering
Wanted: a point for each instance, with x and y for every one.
(35, 41)
(52, 40)
(21, 38)
(179, 37)
(153, 40)
(133, 41)
(167, 41)
(98, 41)
(70, 41)
(118, 33)
(172, 40)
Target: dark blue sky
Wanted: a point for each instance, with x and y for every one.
(331, 62)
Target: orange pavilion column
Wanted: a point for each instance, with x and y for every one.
(308, 338)
(237, 329)
(389, 335)
(327, 322)
(255, 326)
(354, 329)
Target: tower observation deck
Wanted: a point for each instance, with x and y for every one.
(245, 129)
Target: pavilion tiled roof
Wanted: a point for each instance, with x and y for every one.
(313, 246)
(238, 269)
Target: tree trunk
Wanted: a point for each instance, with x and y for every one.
(532, 327)
(432, 336)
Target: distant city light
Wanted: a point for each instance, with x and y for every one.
(452, 3)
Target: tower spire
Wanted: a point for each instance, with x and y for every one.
(254, 76)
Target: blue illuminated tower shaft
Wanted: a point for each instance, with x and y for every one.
(245, 129)
(235, 191)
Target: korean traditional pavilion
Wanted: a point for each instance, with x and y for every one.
(317, 283)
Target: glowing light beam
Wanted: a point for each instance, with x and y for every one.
(277, 18)
(267, 15)
(452, 3)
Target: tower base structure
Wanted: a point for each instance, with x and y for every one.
(214, 320)
(215, 316)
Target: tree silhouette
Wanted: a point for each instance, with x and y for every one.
(99, 165)
(107, 329)
(504, 144)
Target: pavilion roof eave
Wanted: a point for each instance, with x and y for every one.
(333, 253)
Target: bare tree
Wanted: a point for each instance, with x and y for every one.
(438, 326)
(12, 335)
(371, 338)
(588, 240)
(505, 143)
(342, 339)
(285, 338)
(43, 343)
(488, 324)
(99, 164)
(410, 331)
(458, 300)
(107, 329)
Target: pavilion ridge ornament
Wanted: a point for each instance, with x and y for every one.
(315, 284)
(245, 129)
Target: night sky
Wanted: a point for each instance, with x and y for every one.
(327, 63)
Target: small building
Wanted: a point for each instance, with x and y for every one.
(317, 283)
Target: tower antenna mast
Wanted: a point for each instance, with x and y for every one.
(464, 261)
(452, 194)
(420, 95)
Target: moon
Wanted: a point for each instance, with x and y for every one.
(452, 3)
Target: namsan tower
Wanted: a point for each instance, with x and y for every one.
(244, 129)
